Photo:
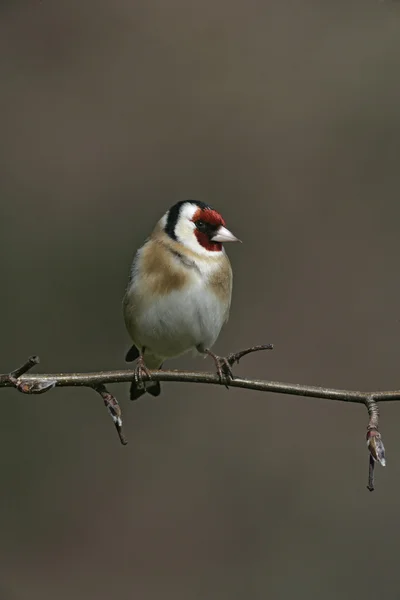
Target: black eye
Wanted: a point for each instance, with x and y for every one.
(201, 225)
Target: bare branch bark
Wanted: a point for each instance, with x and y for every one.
(38, 384)
(113, 408)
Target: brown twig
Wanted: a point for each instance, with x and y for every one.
(371, 474)
(374, 441)
(11, 378)
(113, 408)
(235, 357)
(36, 384)
(31, 362)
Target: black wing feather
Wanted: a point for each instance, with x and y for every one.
(132, 354)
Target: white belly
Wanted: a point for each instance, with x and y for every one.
(181, 321)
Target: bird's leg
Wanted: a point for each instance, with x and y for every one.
(223, 366)
(141, 370)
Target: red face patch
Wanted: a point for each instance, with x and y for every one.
(210, 216)
(211, 220)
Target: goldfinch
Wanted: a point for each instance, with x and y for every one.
(179, 291)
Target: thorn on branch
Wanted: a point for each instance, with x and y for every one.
(113, 408)
(374, 441)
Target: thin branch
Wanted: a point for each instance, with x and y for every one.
(235, 357)
(33, 386)
(29, 364)
(260, 385)
(113, 408)
(38, 384)
(374, 441)
(371, 474)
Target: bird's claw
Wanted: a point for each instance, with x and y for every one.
(224, 370)
(141, 371)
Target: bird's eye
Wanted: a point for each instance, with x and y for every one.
(200, 225)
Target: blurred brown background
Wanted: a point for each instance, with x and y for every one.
(285, 117)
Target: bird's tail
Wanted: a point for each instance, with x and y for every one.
(137, 390)
(152, 387)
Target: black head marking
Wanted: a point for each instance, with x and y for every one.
(173, 215)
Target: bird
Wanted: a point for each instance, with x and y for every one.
(179, 292)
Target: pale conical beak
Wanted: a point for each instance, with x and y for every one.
(224, 235)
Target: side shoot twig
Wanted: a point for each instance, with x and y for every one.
(27, 383)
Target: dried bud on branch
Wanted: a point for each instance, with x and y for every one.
(38, 384)
(376, 447)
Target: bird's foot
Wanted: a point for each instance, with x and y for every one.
(224, 370)
(141, 371)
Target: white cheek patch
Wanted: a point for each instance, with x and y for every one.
(188, 211)
(185, 230)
